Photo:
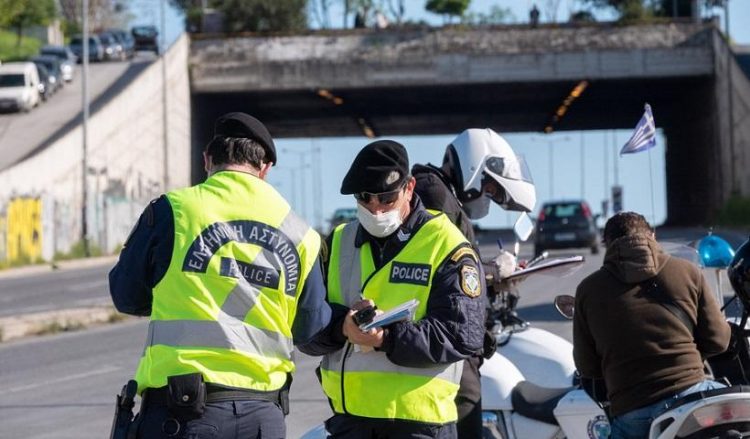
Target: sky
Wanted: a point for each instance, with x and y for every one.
(586, 164)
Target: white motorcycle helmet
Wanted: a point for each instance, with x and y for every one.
(481, 153)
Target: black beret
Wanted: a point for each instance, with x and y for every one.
(245, 126)
(381, 166)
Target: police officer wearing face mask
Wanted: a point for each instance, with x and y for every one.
(479, 167)
(399, 381)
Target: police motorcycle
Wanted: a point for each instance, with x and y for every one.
(718, 413)
(528, 386)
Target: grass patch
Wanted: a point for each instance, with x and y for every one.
(115, 317)
(10, 51)
(77, 252)
(56, 326)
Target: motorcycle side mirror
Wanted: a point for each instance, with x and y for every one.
(565, 304)
(523, 227)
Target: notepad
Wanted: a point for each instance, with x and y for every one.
(400, 313)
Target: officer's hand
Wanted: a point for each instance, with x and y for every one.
(362, 304)
(373, 337)
(503, 265)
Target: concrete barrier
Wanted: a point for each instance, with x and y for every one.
(41, 205)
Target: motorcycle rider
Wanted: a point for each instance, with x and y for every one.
(479, 166)
(642, 323)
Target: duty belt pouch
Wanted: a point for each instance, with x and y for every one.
(284, 395)
(187, 396)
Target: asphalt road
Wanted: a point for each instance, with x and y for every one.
(21, 135)
(52, 290)
(63, 386)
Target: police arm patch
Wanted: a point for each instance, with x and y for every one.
(464, 252)
(470, 284)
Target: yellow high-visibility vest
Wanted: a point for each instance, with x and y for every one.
(226, 304)
(367, 384)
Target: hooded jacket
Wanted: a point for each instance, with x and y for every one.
(623, 334)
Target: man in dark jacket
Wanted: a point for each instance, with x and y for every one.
(625, 332)
(479, 166)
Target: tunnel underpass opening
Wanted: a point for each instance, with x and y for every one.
(504, 107)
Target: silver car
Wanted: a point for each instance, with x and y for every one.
(66, 57)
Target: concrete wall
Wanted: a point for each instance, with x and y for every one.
(733, 97)
(41, 198)
(417, 57)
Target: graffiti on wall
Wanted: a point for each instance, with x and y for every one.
(23, 230)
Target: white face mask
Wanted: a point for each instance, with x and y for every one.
(380, 225)
(478, 207)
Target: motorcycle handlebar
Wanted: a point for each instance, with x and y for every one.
(538, 259)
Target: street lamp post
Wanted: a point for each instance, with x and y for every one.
(165, 112)
(302, 166)
(85, 104)
(551, 150)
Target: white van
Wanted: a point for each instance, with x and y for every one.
(19, 86)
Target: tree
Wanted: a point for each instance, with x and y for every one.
(550, 8)
(319, 12)
(496, 15)
(25, 13)
(675, 8)
(102, 13)
(264, 15)
(628, 9)
(397, 10)
(449, 8)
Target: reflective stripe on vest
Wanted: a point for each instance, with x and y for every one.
(226, 305)
(373, 386)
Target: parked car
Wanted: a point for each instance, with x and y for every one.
(112, 47)
(96, 49)
(566, 224)
(45, 85)
(146, 38)
(19, 86)
(52, 64)
(67, 59)
(125, 40)
(343, 215)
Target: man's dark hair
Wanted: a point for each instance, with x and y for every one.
(626, 224)
(236, 151)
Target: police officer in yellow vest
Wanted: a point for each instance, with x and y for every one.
(399, 381)
(231, 279)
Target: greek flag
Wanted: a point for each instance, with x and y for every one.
(644, 136)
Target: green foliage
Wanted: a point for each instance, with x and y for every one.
(24, 13)
(582, 17)
(448, 7)
(11, 50)
(629, 10)
(77, 252)
(736, 212)
(59, 326)
(496, 15)
(665, 8)
(264, 15)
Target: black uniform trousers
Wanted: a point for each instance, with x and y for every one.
(355, 427)
(220, 420)
(469, 400)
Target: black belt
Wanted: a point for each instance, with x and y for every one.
(214, 393)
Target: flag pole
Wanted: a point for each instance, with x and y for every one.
(651, 181)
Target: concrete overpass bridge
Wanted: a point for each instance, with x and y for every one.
(512, 79)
